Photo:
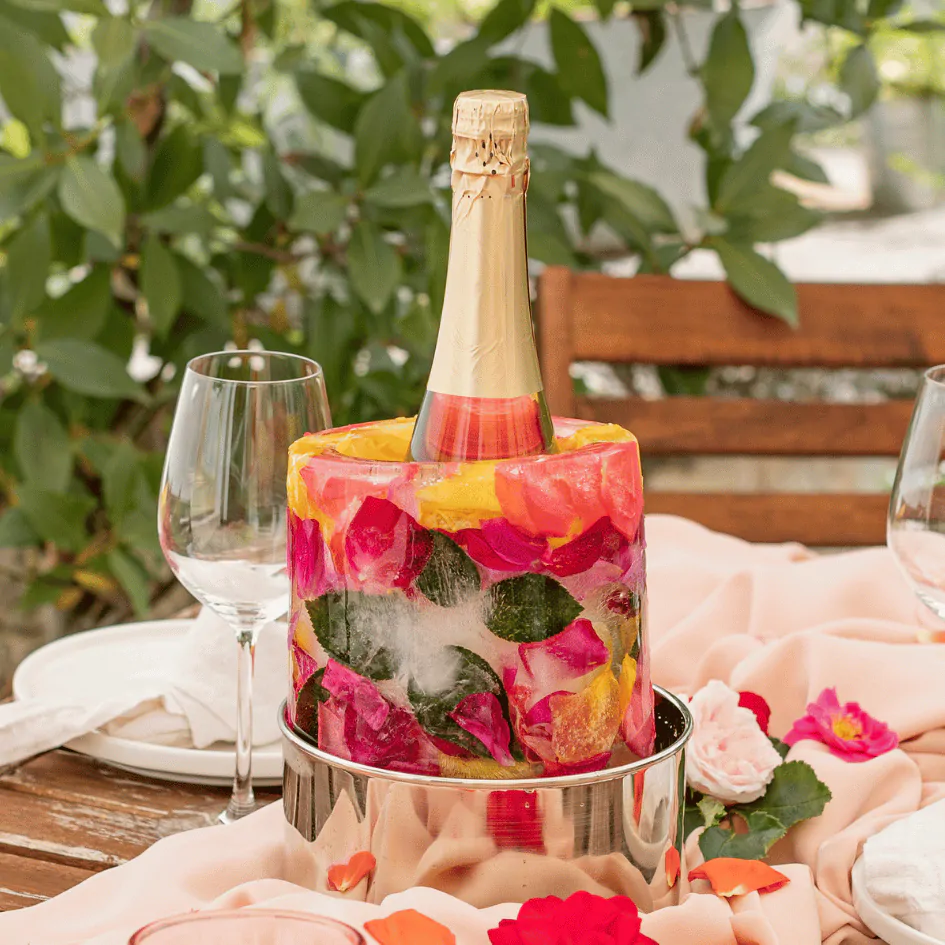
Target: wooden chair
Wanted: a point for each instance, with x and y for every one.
(663, 321)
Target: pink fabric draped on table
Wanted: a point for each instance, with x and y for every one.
(776, 620)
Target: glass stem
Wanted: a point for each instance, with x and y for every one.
(242, 801)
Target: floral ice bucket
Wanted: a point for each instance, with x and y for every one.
(455, 625)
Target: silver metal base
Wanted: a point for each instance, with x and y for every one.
(487, 841)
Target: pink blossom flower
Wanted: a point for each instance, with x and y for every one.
(728, 757)
(481, 715)
(384, 546)
(847, 730)
(308, 559)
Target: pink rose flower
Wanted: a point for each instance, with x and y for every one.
(848, 731)
(729, 757)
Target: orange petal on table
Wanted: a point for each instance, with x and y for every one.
(345, 876)
(672, 866)
(409, 927)
(729, 876)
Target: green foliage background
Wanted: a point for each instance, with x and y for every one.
(239, 180)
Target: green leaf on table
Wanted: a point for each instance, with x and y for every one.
(763, 832)
(711, 810)
(794, 794)
(15, 529)
(29, 82)
(651, 25)
(319, 211)
(373, 266)
(42, 448)
(160, 284)
(28, 257)
(178, 162)
(579, 66)
(386, 130)
(450, 575)
(205, 46)
(45, 26)
(471, 675)
(752, 170)
(859, 79)
(756, 280)
(87, 368)
(56, 517)
(346, 626)
(406, 188)
(133, 579)
(311, 695)
(200, 295)
(335, 103)
(92, 198)
(728, 72)
(24, 183)
(505, 18)
(530, 608)
(640, 200)
(79, 313)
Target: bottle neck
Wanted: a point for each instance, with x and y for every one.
(486, 344)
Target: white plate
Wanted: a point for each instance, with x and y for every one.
(77, 663)
(887, 927)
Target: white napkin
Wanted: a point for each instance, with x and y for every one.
(188, 699)
(904, 869)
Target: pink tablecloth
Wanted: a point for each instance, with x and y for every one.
(773, 619)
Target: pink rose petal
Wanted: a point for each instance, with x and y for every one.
(573, 652)
(481, 715)
(307, 557)
(356, 691)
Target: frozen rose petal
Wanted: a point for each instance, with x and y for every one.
(732, 877)
(573, 652)
(579, 554)
(409, 927)
(481, 715)
(307, 557)
(303, 666)
(513, 545)
(384, 546)
(360, 693)
(345, 876)
(585, 724)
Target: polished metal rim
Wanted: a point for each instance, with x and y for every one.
(492, 784)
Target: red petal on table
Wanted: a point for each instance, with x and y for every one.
(409, 927)
(751, 700)
(672, 866)
(732, 877)
(345, 876)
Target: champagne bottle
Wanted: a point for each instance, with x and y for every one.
(484, 397)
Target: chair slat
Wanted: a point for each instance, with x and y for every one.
(659, 320)
(835, 520)
(679, 426)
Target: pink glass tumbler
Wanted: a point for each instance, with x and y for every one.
(247, 927)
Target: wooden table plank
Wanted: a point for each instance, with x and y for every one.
(24, 881)
(66, 817)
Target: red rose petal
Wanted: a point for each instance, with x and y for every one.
(672, 866)
(345, 876)
(751, 700)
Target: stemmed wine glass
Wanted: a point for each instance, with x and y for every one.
(916, 525)
(222, 505)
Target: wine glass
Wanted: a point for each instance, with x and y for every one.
(247, 927)
(916, 525)
(222, 505)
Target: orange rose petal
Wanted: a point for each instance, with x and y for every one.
(409, 927)
(729, 876)
(672, 866)
(345, 876)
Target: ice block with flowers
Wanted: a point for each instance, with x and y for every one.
(469, 619)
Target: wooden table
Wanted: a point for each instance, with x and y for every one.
(64, 817)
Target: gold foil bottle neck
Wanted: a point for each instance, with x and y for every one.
(490, 139)
(478, 113)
